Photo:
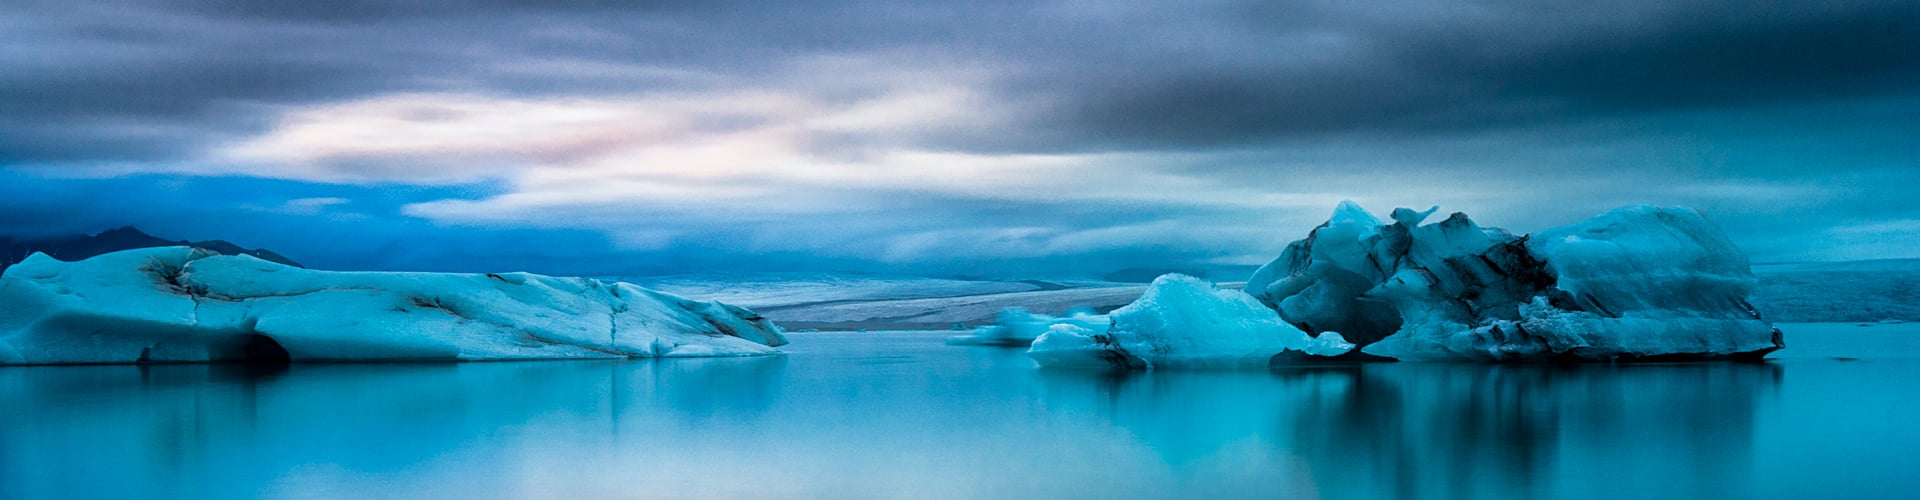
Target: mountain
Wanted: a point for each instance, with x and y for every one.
(79, 246)
(1856, 291)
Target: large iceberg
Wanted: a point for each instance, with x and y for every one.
(1636, 283)
(1182, 322)
(181, 304)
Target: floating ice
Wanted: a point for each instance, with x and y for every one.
(1018, 328)
(179, 304)
(1639, 282)
(1182, 322)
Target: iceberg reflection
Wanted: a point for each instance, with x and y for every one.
(1411, 430)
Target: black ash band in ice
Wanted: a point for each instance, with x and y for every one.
(1639, 283)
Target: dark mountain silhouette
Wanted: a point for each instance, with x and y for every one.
(80, 246)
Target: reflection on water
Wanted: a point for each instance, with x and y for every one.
(900, 415)
(1454, 431)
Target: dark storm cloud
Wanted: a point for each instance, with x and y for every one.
(1446, 69)
(1123, 77)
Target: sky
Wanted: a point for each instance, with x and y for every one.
(976, 138)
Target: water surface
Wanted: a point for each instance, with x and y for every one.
(899, 415)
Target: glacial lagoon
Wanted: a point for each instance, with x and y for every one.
(901, 415)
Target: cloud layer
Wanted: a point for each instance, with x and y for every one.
(1020, 137)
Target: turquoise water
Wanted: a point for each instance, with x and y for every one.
(899, 415)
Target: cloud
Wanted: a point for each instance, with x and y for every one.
(312, 206)
(153, 80)
(1029, 135)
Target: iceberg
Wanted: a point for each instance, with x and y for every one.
(1018, 328)
(1636, 283)
(183, 304)
(1182, 322)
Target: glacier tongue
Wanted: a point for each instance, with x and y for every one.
(179, 304)
(1634, 283)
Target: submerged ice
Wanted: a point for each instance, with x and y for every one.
(180, 304)
(1639, 282)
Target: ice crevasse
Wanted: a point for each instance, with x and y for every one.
(180, 304)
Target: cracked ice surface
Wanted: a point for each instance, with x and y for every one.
(178, 304)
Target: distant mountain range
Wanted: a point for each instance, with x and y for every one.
(1852, 292)
(81, 246)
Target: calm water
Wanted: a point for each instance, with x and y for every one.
(903, 416)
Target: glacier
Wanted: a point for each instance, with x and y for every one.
(1181, 322)
(183, 304)
(1636, 283)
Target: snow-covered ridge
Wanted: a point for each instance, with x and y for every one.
(180, 304)
(792, 289)
(852, 301)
